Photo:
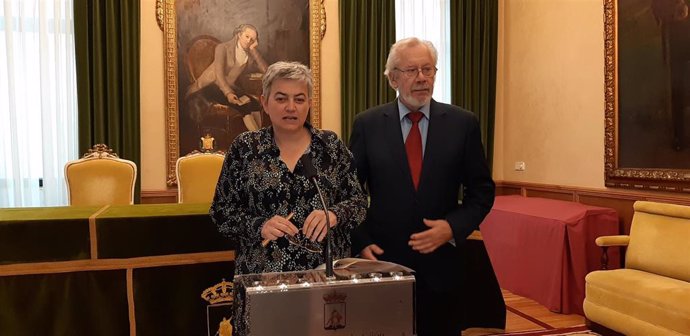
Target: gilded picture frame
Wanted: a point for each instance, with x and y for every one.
(647, 94)
(193, 30)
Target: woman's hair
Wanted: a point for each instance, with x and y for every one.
(286, 70)
(239, 29)
(394, 54)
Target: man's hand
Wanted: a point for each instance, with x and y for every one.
(232, 98)
(428, 241)
(254, 45)
(276, 227)
(370, 252)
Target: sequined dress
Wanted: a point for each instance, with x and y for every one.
(254, 185)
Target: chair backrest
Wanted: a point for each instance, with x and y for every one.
(100, 178)
(659, 240)
(200, 54)
(197, 176)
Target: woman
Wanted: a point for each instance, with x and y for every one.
(263, 195)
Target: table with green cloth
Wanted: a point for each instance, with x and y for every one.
(109, 270)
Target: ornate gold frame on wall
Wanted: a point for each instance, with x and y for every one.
(167, 21)
(673, 180)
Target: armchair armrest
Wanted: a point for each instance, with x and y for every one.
(607, 241)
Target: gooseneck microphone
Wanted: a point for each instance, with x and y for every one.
(312, 175)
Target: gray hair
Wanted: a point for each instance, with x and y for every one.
(286, 70)
(394, 54)
(241, 28)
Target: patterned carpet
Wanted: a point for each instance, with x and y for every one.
(571, 331)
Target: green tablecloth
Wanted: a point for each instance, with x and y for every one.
(157, 229)
(44, 234)
(93, 300)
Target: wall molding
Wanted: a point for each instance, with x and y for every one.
(159, 196)
(620, 199)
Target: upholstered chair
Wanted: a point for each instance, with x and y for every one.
(100, 178)
(651, 294)
(197, 175)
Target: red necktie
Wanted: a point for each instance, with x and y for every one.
(413, 147)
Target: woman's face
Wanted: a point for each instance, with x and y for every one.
(288, 104)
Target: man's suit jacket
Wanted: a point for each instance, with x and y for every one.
(453, 158)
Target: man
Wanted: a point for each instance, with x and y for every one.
(413, 155)
(230, 60)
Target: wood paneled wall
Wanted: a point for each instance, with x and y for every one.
(159, 196)
(619, 199)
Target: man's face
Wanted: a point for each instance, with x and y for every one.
(247, 38)
(414, 91)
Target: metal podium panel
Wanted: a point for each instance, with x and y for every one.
(308, 303)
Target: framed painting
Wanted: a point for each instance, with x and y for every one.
(647, 94)
(216, 52)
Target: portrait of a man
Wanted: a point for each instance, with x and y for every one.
(224, 47)
(654, 83)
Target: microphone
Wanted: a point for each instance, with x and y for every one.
(312, 175)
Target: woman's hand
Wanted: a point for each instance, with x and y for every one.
(315, 224)
(276, 227)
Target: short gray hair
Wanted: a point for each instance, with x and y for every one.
(394, 54)
(241, 28)
(286, 70)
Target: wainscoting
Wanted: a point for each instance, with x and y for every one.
(159, 196)
(620, 199)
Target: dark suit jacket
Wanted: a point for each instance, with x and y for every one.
(453, 157)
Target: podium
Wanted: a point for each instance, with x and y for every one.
(363, 298)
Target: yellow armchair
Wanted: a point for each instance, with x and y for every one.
(197, 176)
(651, 295)
(100, 178)
(610, 241)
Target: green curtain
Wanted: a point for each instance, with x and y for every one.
(367, 30)
(474, 31)
(107, 55)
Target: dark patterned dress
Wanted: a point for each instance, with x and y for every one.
(255, 185)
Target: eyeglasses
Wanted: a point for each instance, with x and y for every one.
(300, 240)
(411, 73)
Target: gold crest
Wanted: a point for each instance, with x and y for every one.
(218, 293)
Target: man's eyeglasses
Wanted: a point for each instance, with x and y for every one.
(300, 240)
(411, 73)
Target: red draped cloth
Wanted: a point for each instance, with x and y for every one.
(542, 249)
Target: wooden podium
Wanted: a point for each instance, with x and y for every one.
(363, 298)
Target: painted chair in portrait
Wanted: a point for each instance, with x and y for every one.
(100, 177)
(197, 176)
